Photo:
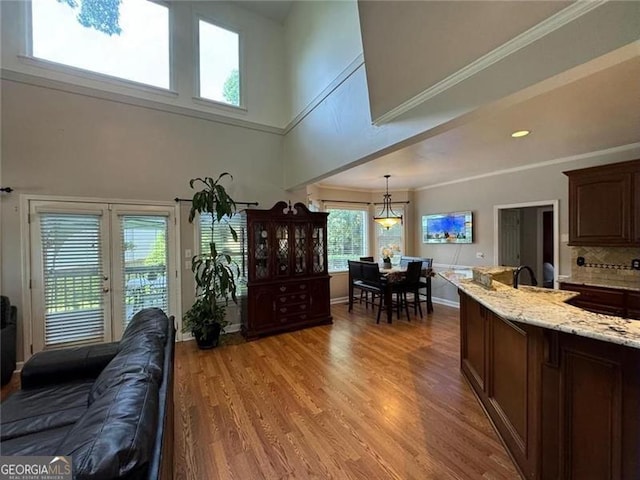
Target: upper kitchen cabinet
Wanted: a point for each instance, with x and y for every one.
(604, 205)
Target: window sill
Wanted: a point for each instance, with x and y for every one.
(94, 76)
(224, 106)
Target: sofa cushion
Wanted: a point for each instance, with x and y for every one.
(67, 364)
(115, 436)
(148, 322)
(144, 357)
(45, 442)
(30, 411)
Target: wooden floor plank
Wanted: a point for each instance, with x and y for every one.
(352, 400)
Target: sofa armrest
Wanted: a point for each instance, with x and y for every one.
(8, 350)
(58, 366)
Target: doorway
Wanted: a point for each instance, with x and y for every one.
(93, 265)
(528, 234)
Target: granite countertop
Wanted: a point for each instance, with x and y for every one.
(546, 308)
(623, 285)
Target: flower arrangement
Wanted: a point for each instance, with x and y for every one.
(387, 254)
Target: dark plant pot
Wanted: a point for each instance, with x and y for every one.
(210, 338)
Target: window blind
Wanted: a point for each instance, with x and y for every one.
(346, 236)
(225, 243)
(144, 257)
(72, 278)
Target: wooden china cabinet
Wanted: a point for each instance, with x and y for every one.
(288, 280)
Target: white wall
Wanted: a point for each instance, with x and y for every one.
(480, 195)
(321, 40)
(263, 59)
(338, 134)
(58, 143)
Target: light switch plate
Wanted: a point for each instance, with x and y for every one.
(187, 253)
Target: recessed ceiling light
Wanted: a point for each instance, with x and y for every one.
(520, 133)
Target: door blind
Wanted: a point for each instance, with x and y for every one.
(72, 278)
(144, 251)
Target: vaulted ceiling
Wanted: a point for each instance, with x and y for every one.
(413, 49)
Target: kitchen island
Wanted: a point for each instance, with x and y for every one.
(561, 385)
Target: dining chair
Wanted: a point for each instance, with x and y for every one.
(425, 284)
(362, 292)
(355, 277)
(373, 283)
(410, 285)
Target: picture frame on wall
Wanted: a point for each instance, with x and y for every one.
(456, 227)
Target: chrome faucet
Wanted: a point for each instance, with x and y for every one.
(516, 275)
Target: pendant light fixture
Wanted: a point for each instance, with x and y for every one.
(387, 218)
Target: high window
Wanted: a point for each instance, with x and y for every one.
(219, 63)
(347, 236)
(225, 244)
(128, 39)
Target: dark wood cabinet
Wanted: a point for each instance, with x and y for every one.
(498, 358)
(633, 305)
(591, 395)
(604, 205)
(609, 301)
(565, 406)
(288, 281)
(473, 326)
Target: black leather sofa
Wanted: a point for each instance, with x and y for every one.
(109, 407)
(7, 339)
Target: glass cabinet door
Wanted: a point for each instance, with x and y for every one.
(282, 249)
(318, 240)
(261, 251)
(300, 248)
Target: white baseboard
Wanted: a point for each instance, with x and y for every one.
(444, 301)
(440, 301)
(19, 366)
(232, 328)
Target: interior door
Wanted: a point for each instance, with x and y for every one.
(509, 237)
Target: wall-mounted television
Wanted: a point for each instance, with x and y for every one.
(454, 227)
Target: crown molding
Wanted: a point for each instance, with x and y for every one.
(38, 81)
(547, 26)
(582, 156)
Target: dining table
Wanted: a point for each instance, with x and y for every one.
(394, 275)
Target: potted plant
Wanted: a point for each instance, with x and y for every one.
(214, 272)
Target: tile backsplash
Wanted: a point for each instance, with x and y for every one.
(605, 264)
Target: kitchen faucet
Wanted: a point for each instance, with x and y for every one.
(516, 275)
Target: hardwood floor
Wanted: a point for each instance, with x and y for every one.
(10, 387)
(352, 400)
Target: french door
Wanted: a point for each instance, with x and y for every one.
(94, 265)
